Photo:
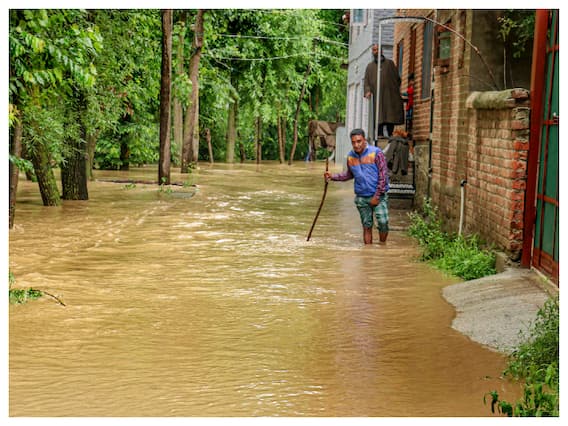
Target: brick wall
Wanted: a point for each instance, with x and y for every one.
(450, 123)
(479, 137)
(421, 122)
(497, 167)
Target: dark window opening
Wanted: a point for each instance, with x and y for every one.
(426, 61)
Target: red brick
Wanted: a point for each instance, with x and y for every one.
(519, 124)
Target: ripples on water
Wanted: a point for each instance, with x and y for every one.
(215, 305)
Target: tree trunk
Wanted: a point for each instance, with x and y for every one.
(194, 151)
(30, 174)
(284, 124)
(209, 146)
(258, 139)
(45, 177)
(16, 151)
(74, 172)
(296, 116)
(165, 92)
(91, 146)
(124, 156)
(242, 151)
(190, 150)
(231, 132)
(178, 107)
(281, 138)
(74, 166)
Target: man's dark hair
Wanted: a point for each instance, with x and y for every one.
(355, 132)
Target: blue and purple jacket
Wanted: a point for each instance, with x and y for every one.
(369, 171)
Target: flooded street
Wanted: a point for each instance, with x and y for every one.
(216, 305)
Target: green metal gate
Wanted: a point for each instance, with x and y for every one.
(545, 250)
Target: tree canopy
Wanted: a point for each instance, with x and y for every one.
(86, 84)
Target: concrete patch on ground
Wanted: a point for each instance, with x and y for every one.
(496, 310)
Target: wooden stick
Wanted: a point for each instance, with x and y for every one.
(322, 200)
(55, 297)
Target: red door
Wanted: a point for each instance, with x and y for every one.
(541, 242)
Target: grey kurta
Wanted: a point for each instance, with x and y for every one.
(391, 109)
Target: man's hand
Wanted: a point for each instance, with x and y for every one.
(374, 201)
(327, 176)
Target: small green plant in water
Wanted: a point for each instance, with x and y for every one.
(456, 254)
(536, 361)
(164, 188)
(129, 186)
(21, 295)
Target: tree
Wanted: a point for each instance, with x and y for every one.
(50, 54)
(179, 86)
(74, 162)
(124, 107)
(299, 104)
(191, 124)
(15, 161)
(165, 104)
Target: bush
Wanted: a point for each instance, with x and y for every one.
(536, 361)
(458, 255)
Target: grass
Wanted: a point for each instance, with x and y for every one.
(536, 361)
(458, 255)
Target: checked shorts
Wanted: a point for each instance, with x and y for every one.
(381, 212)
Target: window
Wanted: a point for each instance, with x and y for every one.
(443, 47)
(359, 17)
(426, 61)
(400, 56)
(412, 51)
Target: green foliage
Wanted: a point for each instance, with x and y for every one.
(21, 164)
(51, 48)
(536, 361)
(517, 29)
(541, 347)
(464, 258)
(164, 188)
(258, 58)
(46, 127)
(427, 229)
(458, 255)
(125, 102)
(20, 295)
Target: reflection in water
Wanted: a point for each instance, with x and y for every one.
(215, 305)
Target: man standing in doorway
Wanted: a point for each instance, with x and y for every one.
(391, 110)
(366, 164)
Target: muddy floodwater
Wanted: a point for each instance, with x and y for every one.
(209, 301)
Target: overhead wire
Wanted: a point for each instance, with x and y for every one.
(283, 38)
(273, 58)
(238, 58)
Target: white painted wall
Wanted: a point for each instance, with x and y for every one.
(361, 38)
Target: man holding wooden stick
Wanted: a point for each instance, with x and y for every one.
(366, 164)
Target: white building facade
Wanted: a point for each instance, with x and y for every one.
(363, 33)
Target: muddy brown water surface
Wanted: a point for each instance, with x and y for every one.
(216, 305)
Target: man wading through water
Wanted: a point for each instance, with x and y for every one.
(366, 164)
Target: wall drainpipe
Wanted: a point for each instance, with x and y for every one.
(462, 205)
